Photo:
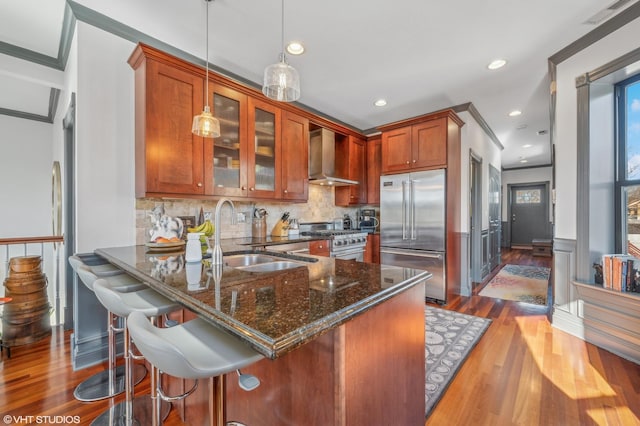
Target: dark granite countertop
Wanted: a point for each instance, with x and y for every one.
(274, 312)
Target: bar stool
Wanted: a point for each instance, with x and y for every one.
(109, 382)
(193, 350)
(150, 304)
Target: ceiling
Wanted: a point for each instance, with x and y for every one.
(421, 56)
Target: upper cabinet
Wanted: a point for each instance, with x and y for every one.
(374, 164)
(169, 158)
(226, 157)
(351, 162)
(295, 157)
(418, 144)
(261, 152)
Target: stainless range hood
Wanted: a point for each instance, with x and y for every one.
(322, 160)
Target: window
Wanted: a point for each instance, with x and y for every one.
(529, 196)
(628, 176)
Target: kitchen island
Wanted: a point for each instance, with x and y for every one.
(343, 340)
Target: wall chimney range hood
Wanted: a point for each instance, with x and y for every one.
(322, 159)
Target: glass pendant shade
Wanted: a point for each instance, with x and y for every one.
(205, 124)
(281, 82)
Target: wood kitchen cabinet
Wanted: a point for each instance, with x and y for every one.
(319, 248)
(372, 249)
(226, 157)
(261, 153)
(169, 158)
(373, 166)
(295, 155)
(244, 160)
(351, 159)
(418, 146)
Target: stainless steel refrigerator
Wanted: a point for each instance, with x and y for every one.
(412, 225)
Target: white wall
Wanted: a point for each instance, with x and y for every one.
(25, 177)
(104, 140)
(611, 47)
(474, 138)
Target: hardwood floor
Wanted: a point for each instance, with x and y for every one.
(522, 372)
(525, 372)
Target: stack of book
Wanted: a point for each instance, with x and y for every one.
(620, 272)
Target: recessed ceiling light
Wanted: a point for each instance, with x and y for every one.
(295, 48)
(523, 161)
(380, 103)
(527, 145)
(498, 63)
(515, 113)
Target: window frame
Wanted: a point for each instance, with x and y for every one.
(621, 180)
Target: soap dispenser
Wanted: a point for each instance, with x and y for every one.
(194, 251)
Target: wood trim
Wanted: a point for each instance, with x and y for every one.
(446, 113)
(31, 240)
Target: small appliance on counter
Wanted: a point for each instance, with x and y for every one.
(367, 221)
(346, 221)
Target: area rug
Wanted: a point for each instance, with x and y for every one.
(521, 283)
(450, 336)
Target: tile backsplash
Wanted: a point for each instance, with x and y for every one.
(319, 207)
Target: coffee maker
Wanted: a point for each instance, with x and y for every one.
(367, 220)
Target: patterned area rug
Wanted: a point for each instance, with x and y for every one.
(521, 283)
(450, 336)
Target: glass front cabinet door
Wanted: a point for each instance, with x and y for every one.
(227, 174)
(263, 163)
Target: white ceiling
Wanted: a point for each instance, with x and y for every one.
(419, 55)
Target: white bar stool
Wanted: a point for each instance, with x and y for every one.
(111, 381)
(150, 304)
(193, 350)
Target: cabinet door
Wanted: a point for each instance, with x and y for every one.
(226, 172)
(429, 144)
(396, 150)
(319, 248)
(295, 157)
(374, 148)
(264, 151)
(174, 155)
(356, 170)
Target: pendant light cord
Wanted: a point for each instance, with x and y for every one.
(282, 30)
(206, 82)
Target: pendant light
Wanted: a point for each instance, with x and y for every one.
(281, 80)
(206, 124)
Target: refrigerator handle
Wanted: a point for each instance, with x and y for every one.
(412, 211)
(404, 210)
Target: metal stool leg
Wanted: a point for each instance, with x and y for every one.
(110, 382)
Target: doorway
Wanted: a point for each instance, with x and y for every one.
(495, 223)
(69, 215)
(528, 213)
(475, 216)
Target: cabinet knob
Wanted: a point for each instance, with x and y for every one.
(252, 189)
(243, 187)
(199, 184)
(407, 161)
(414, 161)
(285, 191)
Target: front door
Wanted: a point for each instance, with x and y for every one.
(529, 214)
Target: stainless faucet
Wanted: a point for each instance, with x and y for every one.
(216, 256)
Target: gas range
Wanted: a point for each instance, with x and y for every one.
(343, 243)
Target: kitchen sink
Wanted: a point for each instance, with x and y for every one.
(240, 260)
(271, 266)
